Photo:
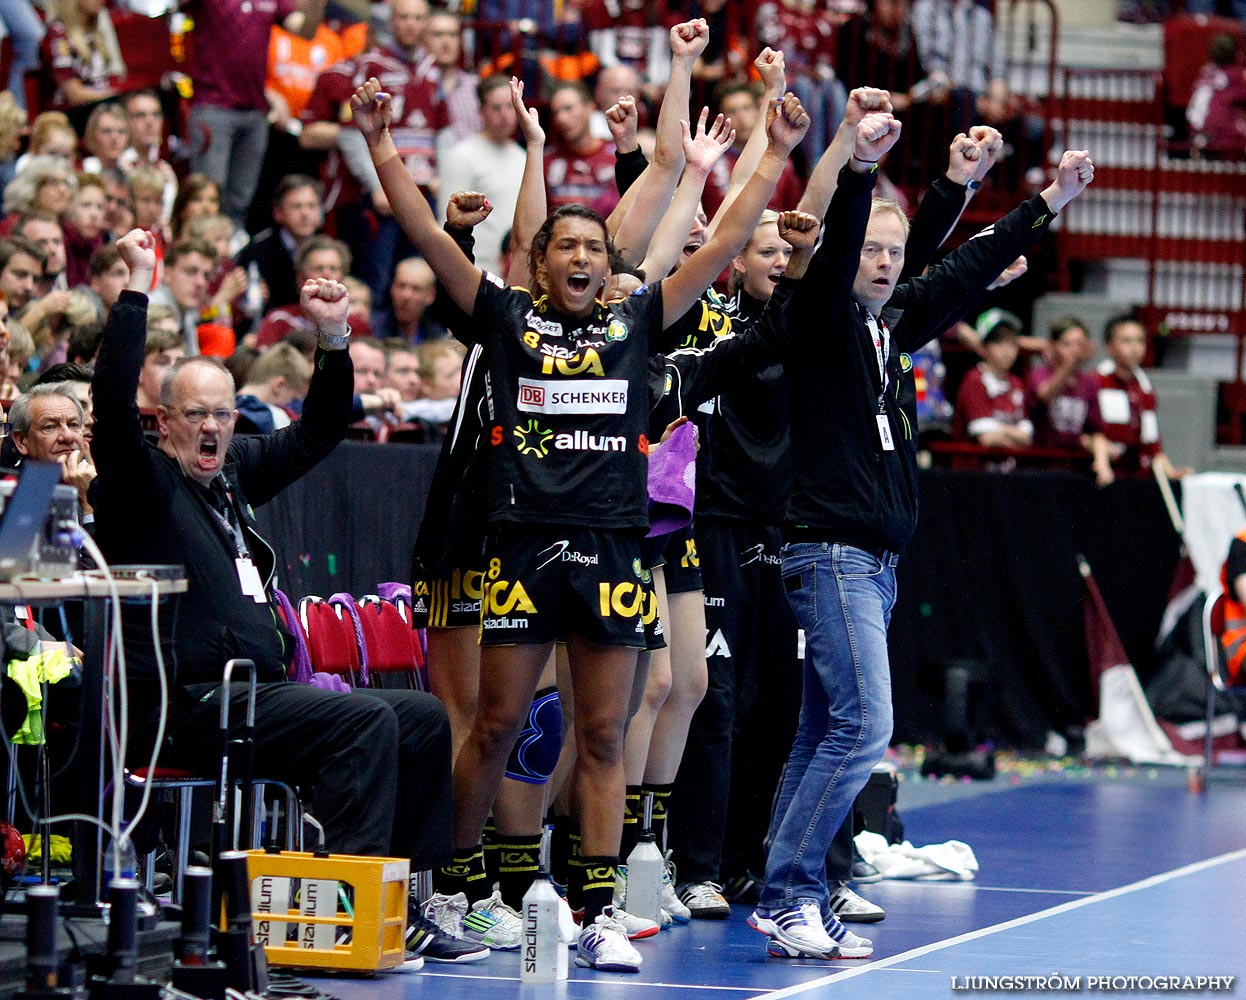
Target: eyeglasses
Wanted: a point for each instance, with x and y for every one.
(197, 414)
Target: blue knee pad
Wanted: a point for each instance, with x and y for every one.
(535, 753)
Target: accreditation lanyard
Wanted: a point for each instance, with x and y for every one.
(881, 338)
(248, 574)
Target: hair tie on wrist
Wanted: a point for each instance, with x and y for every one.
(859, 160)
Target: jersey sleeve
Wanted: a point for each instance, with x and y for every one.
(495, 310)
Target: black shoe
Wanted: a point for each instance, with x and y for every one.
(862, 871)
(426, 939)
(743, 889)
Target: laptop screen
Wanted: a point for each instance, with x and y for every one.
(26, 512)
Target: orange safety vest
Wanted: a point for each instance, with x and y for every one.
(1234, 637)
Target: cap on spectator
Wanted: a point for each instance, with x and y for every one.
(996, 323)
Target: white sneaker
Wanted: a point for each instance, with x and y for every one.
(704, 900)
(603, 945)
(493, 923)
(635, 927)
(850, 945)
(797, 931)
(670, 902)
(854, 909)
(447, 912)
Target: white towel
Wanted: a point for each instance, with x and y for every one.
(950, 862)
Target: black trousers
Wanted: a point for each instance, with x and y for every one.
(377, 762)
(742, 732)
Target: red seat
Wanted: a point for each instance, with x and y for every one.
(393, 646)
(1186, 40)
(330, 638)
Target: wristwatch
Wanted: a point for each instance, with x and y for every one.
(334, 343)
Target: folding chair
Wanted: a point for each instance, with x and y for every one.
(1217, 683)
(330, 639)
(393, 647)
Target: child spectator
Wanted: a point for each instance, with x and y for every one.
(162, 348)
(198, 195)
(990, 406)
(108, 279)
(83, 224)
(278, 377)
(52, 329)
(441, 364)
(1217, 109)
(147, 196)
(1127, 403)
(1062, 397)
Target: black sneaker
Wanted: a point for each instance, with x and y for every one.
(426, 939)
(742, 889)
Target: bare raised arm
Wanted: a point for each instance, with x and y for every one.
(458, 276)
(656, 186)
(769, 63)
(701, 152)
(530, 208)
(786, 124)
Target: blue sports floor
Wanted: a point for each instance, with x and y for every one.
(1111, 875)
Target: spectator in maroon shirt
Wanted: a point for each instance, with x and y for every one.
(741, 103)
(81, 53)
(579, 168)
(229, 112)
(1061, 396)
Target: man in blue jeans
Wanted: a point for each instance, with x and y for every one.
(854, 504)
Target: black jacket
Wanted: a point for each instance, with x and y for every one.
(847, 488)
(147, 511)
(276, 266)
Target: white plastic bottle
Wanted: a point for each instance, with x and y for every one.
(644, 872)
(543, 958)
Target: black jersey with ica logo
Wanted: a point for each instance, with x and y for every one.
(568, 418)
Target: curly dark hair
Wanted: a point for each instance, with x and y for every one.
(540, 242)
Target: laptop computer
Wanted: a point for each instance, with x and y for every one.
(25, 513)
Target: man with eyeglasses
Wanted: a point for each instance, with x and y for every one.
(188, 500)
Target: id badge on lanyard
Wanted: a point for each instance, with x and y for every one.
(882, 347)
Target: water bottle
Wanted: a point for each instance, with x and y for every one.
(644, 872)
(544, 958)
(120, 861)
(253, 301)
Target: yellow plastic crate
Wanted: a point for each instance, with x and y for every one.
(378, 926)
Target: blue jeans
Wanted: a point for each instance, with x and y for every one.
(26, 32)
(842, 597)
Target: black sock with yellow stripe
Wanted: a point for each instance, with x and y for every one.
(465, 874)
(661, 803)
(597, 887)
(489, 839)
(633, 811)
(575, 868)
(518, 864)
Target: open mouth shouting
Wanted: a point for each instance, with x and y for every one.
(208, 457)
(579, 282)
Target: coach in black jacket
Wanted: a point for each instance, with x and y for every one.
(188, 501)
(854, 503)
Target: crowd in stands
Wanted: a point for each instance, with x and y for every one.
(337, 197)
(196, 175)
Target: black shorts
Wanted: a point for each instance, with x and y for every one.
(544, 583)
(452, 600)
(683, 566)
